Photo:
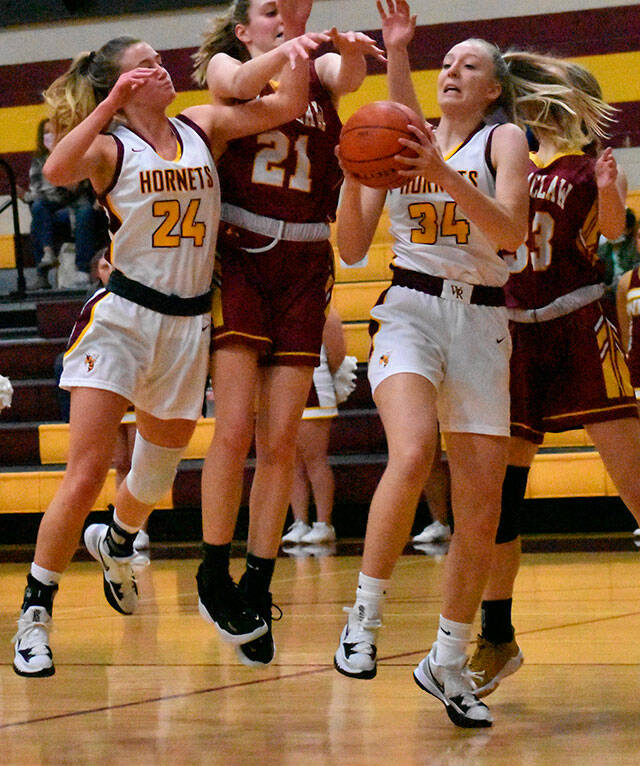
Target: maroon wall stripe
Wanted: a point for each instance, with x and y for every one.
(573, 33)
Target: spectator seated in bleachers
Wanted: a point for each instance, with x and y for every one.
(60, 214)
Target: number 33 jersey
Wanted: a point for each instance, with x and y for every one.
(430, 230)
(560, 253)
(163, 214)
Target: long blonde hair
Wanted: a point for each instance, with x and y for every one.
(88, 80)
(559, 99)
(220, 37)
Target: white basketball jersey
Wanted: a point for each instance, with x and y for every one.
(431, 233)
(163, 214)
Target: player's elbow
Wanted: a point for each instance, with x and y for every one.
(55, 172)
(350, 252)
(511, 241)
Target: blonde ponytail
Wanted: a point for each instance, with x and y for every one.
(88, 80)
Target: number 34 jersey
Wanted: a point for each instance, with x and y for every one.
(430, 230)
(291, 172)
(560, 253)
(163, 214)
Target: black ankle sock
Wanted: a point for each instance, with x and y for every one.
(119, 541)
(38, 594)
(496, 621)
(215, 560)
(257, 578)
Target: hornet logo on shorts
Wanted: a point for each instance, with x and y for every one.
(90, 362)
(384, 360)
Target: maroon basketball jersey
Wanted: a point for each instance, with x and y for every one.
(560, 253)
(633, 309)
(291, 172)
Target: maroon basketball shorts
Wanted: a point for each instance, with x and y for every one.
(567, 373)
(274, 301)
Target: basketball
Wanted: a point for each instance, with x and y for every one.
(369, 143)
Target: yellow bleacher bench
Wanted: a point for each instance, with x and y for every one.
(54, 441)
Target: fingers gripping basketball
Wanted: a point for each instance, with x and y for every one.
(369, 143)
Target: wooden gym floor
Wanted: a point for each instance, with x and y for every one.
(159, 687)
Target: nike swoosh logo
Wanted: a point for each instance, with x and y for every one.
(499, 340)
(138, 150)
(446, 632)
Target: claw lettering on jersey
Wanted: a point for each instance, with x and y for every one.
(314, 117)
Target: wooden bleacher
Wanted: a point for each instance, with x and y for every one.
(33, 446)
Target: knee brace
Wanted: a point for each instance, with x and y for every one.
(153, 469)
(513, 489)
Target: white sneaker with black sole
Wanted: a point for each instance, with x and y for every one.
(453, 685)
(356, 655)
(32, 653)
(120, 586)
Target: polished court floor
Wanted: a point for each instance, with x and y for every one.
(159, 687)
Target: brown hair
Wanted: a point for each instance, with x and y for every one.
(41, 149)
(506, 100)
(220, 37)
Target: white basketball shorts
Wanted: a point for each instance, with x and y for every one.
(157, 362)
(463, 349)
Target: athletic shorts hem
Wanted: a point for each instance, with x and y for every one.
(230, 338)
(475, 428)
(104, 385)
(573, 422)
(375, 383)
(319, 413)
(156, 412)
(528, 434)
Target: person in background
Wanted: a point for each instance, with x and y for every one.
(333, 381)
(437, 493)
(628, 314)
(58, 209)
(619, 255)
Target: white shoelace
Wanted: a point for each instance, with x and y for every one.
(33, 635)
(359, 631)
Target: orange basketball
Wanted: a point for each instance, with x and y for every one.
(369, 143)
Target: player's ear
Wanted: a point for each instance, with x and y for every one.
(242, 33)
(494, 90)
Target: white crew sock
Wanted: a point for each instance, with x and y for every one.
(370, 596)
(45, 576)
(451, 643)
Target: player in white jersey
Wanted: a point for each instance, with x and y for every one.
(145, 339)
(440, 344)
